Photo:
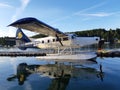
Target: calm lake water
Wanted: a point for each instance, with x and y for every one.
(29, 73)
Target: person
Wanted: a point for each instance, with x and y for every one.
(100, 44)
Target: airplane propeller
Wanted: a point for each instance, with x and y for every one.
(58, 39)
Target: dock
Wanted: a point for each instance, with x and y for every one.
(34, 54)
(27, 54)
(108, 53)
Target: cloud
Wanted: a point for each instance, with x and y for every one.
(24, 3)
(99, 14)
(80, 12)
(20, 9)
(4, 5)
(89, 8)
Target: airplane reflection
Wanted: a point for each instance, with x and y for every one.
(60, 72)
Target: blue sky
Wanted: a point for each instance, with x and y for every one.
(66, 15)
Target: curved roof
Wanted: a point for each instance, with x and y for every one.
(33, 24)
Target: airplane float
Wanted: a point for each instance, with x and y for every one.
(63, 43)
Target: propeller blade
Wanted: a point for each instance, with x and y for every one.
(58, 39)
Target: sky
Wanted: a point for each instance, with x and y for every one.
(66, 15)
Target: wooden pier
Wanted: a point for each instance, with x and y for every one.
(27, 54)
(108, 54)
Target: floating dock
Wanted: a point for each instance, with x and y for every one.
(27, 54)
(33, 54)
(108, 53)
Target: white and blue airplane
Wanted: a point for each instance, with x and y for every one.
(55, 37)
(57, 40)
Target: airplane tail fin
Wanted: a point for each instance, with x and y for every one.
(21, 36)
(21, 39)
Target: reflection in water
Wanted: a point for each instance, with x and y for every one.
(100, 74)
(21, 75)
(60, 72)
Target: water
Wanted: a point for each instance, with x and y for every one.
(45, 75)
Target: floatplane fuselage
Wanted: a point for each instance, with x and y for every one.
(70, 40)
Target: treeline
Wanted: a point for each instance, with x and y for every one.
(7, 41)
(2, 41)
(108, 35)
(100, 32)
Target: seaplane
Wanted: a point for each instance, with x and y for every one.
(60, 45)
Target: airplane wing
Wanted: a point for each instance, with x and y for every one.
(32, 24)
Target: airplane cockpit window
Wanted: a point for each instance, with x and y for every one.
(58, 39)
(73, 36)
(66, 38)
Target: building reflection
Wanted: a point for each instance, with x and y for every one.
(60, 72)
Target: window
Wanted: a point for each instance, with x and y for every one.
(42, 41)
(96, 39)
(53, 40)
(65, 39)
(58, 39)
(72, 37)
(48, 41)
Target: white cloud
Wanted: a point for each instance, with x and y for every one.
(4, 5)
(24, 3)
(20, 9)
(100, 14)
(80, 12)
(89, 8)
